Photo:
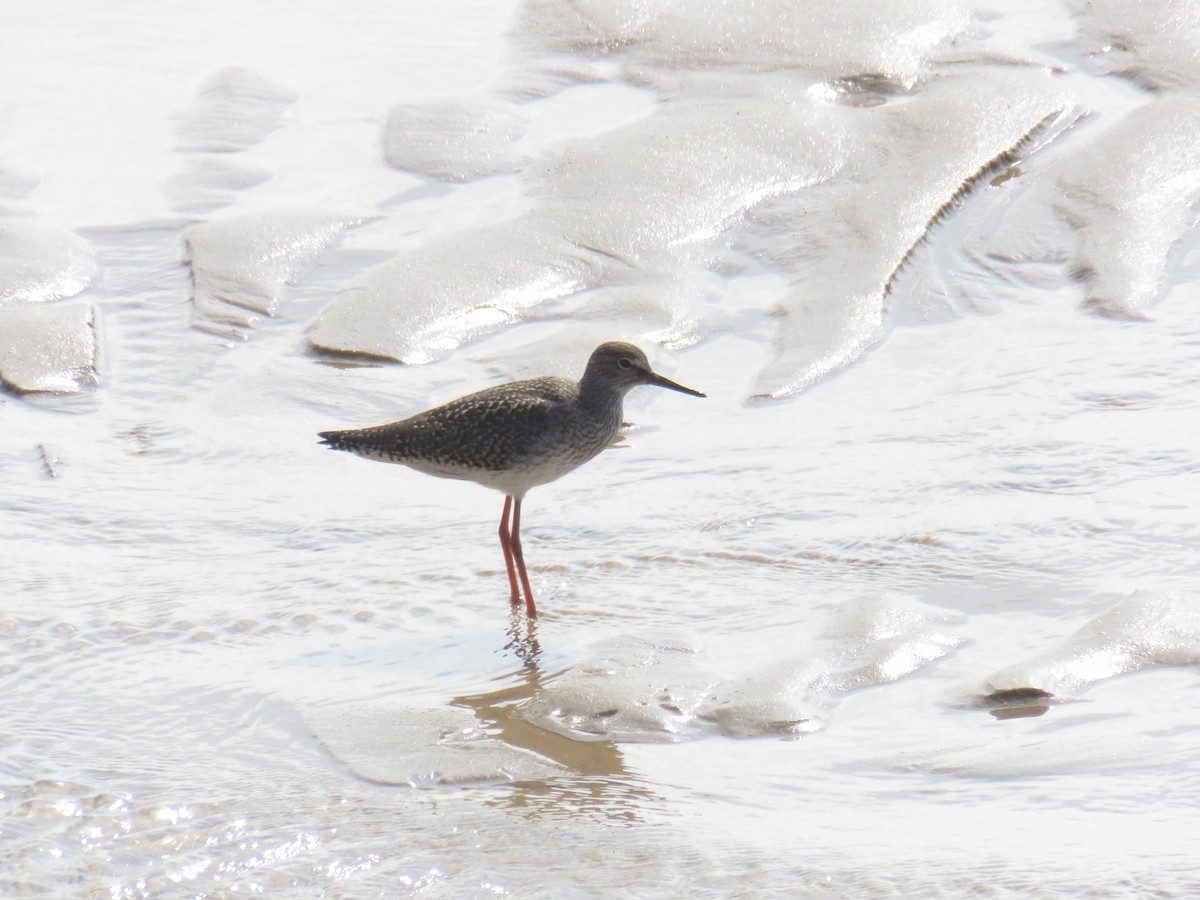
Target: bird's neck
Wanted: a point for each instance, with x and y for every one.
(600, 397)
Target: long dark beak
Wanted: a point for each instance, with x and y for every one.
(658, 381)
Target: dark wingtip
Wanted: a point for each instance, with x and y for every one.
(328, 438)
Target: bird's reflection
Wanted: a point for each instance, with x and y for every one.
(522, 639)
(596, 781)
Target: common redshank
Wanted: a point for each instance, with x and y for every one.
(515, 436)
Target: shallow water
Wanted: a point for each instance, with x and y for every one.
(909, 603)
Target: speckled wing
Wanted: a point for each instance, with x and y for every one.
(492, 430)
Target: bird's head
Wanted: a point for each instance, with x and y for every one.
(622, 366)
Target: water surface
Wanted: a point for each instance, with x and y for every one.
(907, 604)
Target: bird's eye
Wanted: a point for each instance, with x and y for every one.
(625, 362)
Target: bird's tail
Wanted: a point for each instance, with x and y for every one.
(336, 440)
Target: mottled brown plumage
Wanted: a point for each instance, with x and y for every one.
(515, 436)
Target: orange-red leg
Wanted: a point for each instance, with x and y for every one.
(530, 607)
(506, 544)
